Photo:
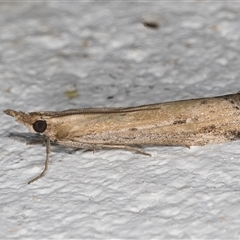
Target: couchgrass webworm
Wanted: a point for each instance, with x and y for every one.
(192, 122)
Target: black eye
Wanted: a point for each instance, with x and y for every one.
(40, 126)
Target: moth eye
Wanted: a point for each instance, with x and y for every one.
(40, 126)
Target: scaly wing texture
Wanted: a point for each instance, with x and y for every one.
(189, 122)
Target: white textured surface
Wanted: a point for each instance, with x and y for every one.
(104, 51)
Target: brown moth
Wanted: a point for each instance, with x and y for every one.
(191, 122)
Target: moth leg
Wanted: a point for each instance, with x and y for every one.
(74, 150)
(86, 150)
(125, 147)
(48, 150)
(95, 146)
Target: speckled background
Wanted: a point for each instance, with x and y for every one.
(104, 55)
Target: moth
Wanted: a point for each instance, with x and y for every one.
(192, 122)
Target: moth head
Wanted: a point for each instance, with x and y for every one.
(32, 121)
